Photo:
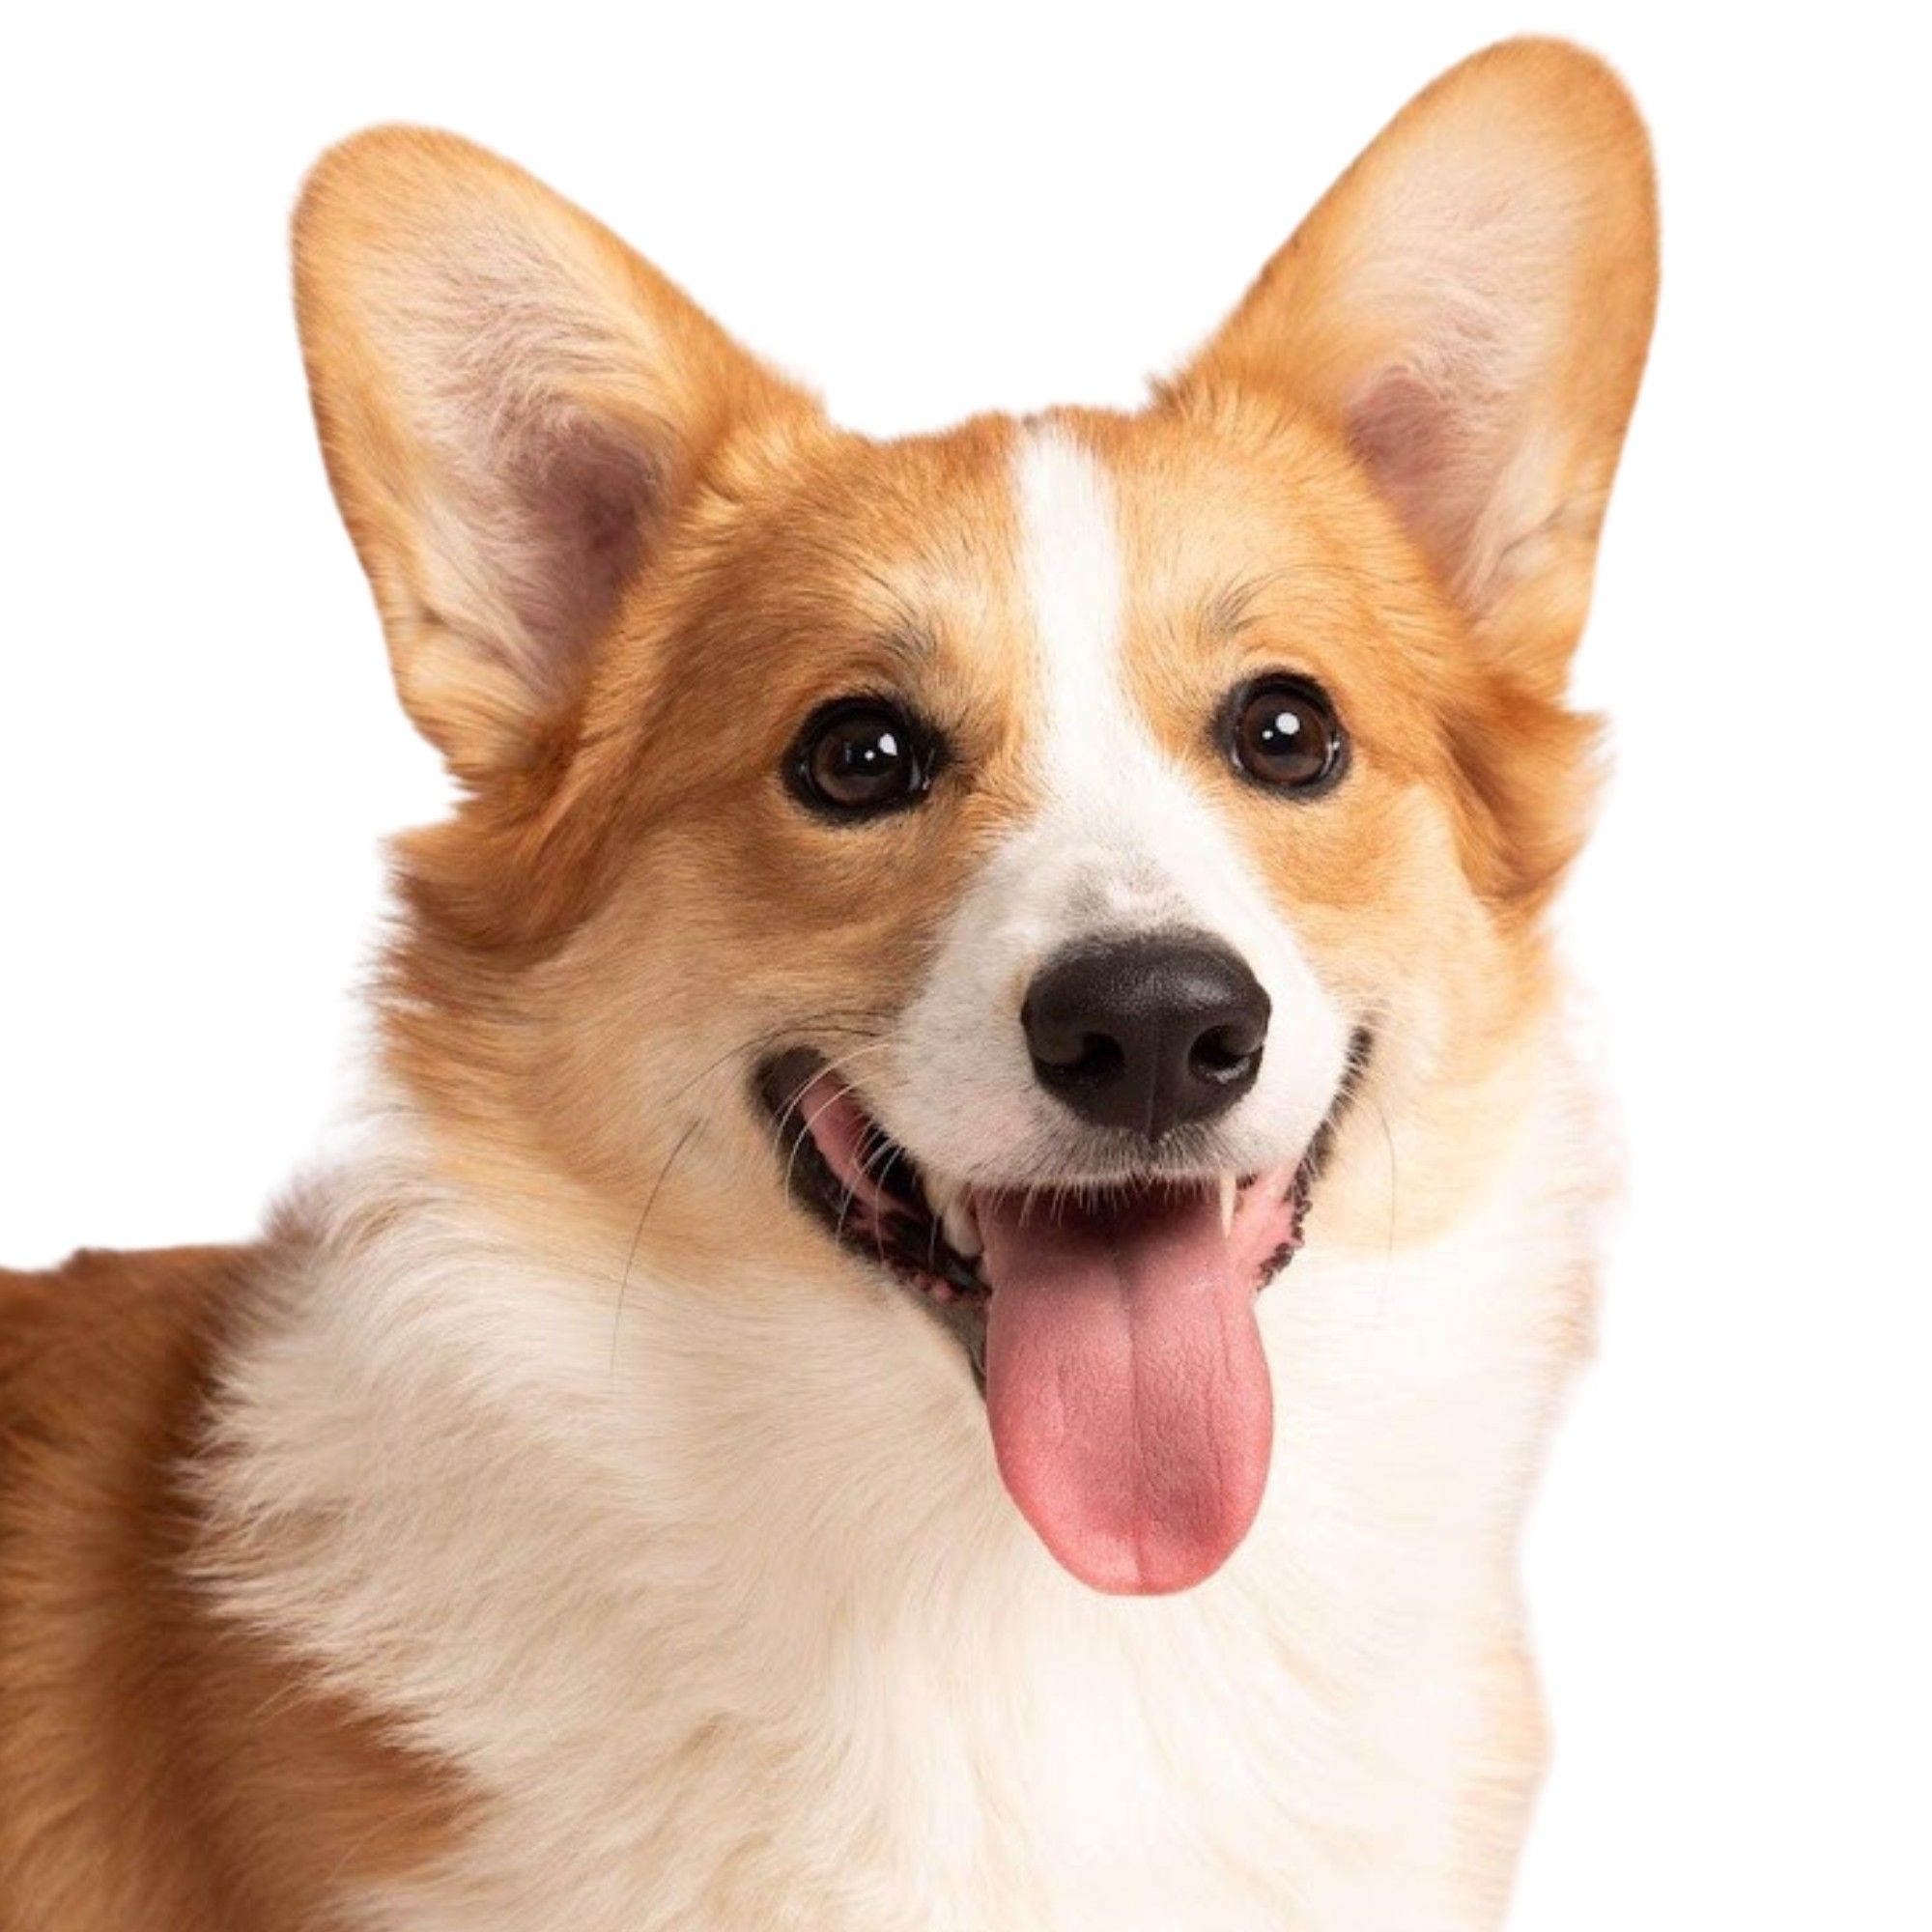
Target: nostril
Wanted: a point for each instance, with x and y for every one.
(1223, 1053)
(1091, 1061)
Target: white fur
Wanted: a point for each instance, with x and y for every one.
(737, 1629)
(1122, 841)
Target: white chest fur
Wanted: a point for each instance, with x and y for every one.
(735, 1629)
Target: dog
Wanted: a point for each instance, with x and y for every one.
(971, 1205)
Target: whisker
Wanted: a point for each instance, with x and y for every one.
(826, 1021)
(637, 1235)
(881, 1153)
(1389, 1250)
(799, 1136)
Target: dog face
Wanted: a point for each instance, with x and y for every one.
(999, 871)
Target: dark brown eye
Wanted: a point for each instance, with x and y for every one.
(860, 757)
(1283, 733)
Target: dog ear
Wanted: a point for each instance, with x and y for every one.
(512, 407)
(1470, 306)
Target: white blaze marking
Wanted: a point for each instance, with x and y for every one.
(1070, 558)
(1125, 841)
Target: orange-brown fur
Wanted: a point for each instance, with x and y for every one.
(157, 1768)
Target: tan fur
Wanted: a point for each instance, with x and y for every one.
(617, 562)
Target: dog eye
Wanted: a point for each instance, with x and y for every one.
(1283, 733)
(860, 757)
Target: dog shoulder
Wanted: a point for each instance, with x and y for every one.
(102, 1365)
(152, 1756)
(97, 1350)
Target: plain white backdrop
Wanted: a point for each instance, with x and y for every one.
(930, 211)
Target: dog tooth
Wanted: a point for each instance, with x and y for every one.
(1228, 1191)
(962, 1227)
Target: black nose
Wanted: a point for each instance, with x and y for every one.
(1148, 1033)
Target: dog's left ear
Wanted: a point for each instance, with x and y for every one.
(1470, 306)
(514, 408)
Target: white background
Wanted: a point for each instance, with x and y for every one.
(930, 211)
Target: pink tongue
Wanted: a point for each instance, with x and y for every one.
(1127, 1387)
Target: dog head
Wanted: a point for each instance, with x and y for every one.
(988, 874)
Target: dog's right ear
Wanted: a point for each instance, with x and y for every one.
(1469, 308)
(512, 407)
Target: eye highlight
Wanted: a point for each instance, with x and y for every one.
(1281, 732)
(860, 757)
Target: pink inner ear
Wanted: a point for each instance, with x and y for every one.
(571, 534)
(1403, 431)
(1427, 451)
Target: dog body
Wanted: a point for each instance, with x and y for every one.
(785, 1415)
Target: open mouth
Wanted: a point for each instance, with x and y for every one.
(1112, 1327)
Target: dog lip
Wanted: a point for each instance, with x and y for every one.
(909, 1243)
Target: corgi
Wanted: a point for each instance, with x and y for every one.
(971, 1207)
